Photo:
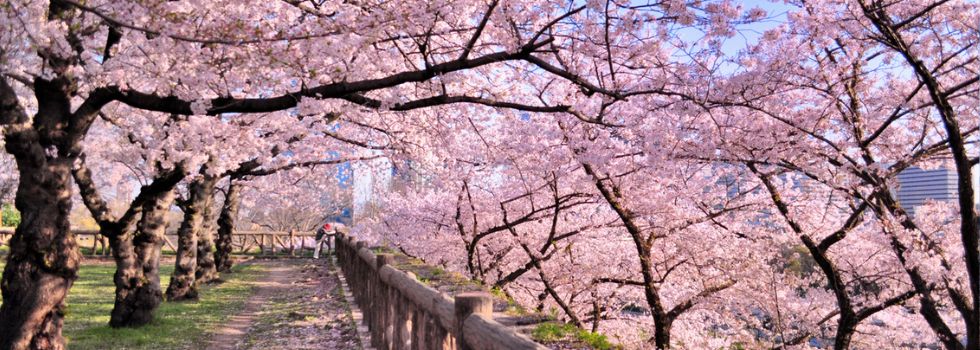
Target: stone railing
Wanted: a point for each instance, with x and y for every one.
(403, 313)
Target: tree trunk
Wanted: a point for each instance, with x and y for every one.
(136, 252)
(206, 270)
(969, 226)
(845, 331)
(148, 243)
(661, 332)
(139, 294)
(128, 274)
(43, 259)
(44, 256)
(182, 282)
(226, 225)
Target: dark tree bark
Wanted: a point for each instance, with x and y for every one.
(43, 259)
(929, 306)
(137, 255)
(663, 318)
(44, 256)
(226, 225)
(543, 255)
(133, 306)
(147, 294)
(182, 282)
(206, 269)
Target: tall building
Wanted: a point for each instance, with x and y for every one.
(917, 185)
(371, 181)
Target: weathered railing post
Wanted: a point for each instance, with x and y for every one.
(302, 245)
(338, 251)
(405, 318)
(418, 328)
(403, 313)
(262, 245)
(468, 304)
(385, 297)
(274, 238)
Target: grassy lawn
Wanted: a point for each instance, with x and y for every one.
(177, 325)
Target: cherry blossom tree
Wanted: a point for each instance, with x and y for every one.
(832, 101)
(183, 58)
(136, 236)
(821, 120)
(639, 134)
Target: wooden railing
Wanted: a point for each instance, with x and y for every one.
(403, 313)
(268, 242)
(7, 232)
(273, 242)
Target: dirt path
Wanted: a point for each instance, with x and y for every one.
(233, 332)
(297, 305)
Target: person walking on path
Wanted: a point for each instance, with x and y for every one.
(323, 236)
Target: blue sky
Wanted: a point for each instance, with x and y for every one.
(747, 34)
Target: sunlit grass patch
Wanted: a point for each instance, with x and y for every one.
(549, 332)
(176, 326)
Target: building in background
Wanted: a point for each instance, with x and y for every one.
(916, 186)
(371, 181)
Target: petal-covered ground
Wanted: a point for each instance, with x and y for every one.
(298, 305)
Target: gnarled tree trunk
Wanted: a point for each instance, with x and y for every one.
(147, 295)
(137, 256)
(44, 256)
(136, 252)
(206, 270)
(226, 225)
(43, 259)
(182, 282)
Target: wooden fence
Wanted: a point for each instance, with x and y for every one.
(7, 232)
(268, 242)
(273, 242)
(403, 313)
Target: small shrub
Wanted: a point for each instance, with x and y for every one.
(551, 331)
(498, 293)
(737, 346)
(555, 331)
(595, 340)
(437, 271)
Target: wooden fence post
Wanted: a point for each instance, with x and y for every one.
(387, 305)
(272, 242)
(261, 241)
(405, 321)
(302, 245)
(468, 304)
(402, 313)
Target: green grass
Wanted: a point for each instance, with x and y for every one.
(176, 326)
(556, 332)
(513, 307)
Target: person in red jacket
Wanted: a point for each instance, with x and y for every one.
(323, 236)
